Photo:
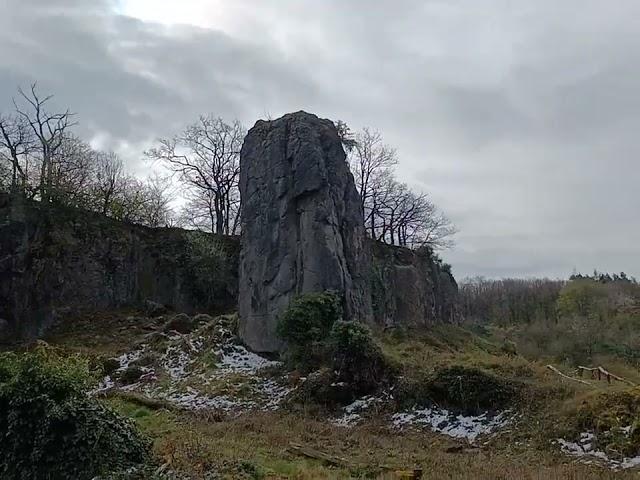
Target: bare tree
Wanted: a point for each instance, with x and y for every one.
(72, 172)
(49, 131)
(109, 180)
(156, 210)
(393, 213)
(206, 157)
(16, 143)
(372, 163)
(418, 222)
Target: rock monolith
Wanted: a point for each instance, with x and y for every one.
(302, 225)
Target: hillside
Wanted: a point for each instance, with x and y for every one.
(465, 407)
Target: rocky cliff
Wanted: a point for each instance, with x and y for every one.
(302, 225)
(411, 288)
(56, 260)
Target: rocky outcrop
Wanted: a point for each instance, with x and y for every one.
(301, 222)
(55, 260)
(302, 232)
(411, 288)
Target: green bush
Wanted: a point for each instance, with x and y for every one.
(471, 389)
(51, 429)
(318, 340)
(608, 415)
(358, 360)
(324, 388)
(305, 325)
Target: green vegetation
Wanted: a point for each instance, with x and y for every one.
(357, 358)
(343, 355)
(457, 367)
(489, 363)
(51, 429)
(471, 389)
(305, 326)
(585, 320)
(615, 416)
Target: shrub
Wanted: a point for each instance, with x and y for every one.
(323, 387)
(131, 374)
(181, 323)
(305, 325)
(471, 389)
(51, 428)
(358, 360)
(351, 362)
(615, 417)
(110, 365)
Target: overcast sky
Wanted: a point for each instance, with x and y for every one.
(521, 118)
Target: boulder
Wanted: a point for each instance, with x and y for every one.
(154, 309)
(181, 323)
(202, 319)
(302, 225)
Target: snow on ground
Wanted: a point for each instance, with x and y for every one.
(237, 359)
(181, 360)
(353, 412)
(585, 449)
(176, 362)
(437, 419)
(192, 399)
(454, 425)
(126, 359)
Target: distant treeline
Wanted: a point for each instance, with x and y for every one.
(514, 300)
(509, 300)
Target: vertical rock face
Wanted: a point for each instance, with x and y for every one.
(411, 288)
(302, 228)
(55, 261)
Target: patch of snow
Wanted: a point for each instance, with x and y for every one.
(176, 362)
(128, 358)
(238, 359)
(273, 392)
(105, 384)
(347, 420)
(353, 412)
(584, 448)
(191, 399)
(241, 366)
(124, 361)
(360, 404)
(454, 425)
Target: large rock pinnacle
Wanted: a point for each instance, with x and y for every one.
(302, 227)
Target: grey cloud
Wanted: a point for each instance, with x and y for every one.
(520, 118)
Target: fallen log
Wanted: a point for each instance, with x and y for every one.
(318, 455)
(415, 474)
(558, 372)
(336, 461)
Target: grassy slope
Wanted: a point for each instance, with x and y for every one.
(254, 445)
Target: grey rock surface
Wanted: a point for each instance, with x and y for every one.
(56, 261)
(302, 227)
(411, 288)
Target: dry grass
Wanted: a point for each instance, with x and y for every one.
(254, 445)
